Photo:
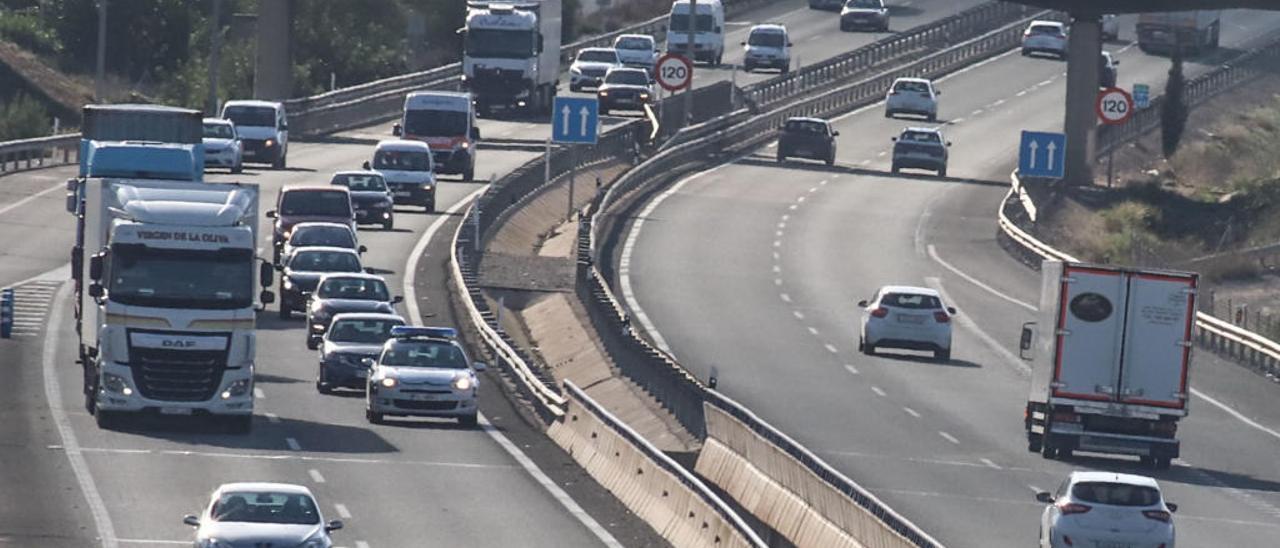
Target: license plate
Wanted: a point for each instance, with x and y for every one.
(250, 153)
(175, 410)
(422, 397)
(906, 318)
(1108, 544)
(404, 193)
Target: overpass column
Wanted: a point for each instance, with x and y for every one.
(1082, 92)
(273, 67)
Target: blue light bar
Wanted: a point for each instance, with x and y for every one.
(408, 332)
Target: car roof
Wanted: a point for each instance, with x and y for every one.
(253, 103)
(634, 36)
(1080, 476)
(367, 316)
(614, 50)
(357, 275)
(320, 223)
(356, 172)
(1039, 22)
(807, 119)
(912, 79)
(403, 145)
(922, 129)
(329, 248)
(910, 289)
(264, 486)
(311, 187)
(770, 27)
(219, 121)
(626, 69)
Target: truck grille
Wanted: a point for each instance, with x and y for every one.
(177, 375)
(510, 82)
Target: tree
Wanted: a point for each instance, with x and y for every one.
(1174, 109)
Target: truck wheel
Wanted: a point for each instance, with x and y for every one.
(106, 420)
(1033, 443)
(942, 355)
(286, 313)
(239, 424)
(1163, 463)
(372, 417)
(469, 421)
(1048, 451)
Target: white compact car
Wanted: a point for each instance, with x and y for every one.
(423, 371)
(262, 514)
(1106, 509)
(222, 146)
(589, 67)
(637, 50)
(912, 96)
(909, 318)
(263, 127)
(767, 46)
(409, 169)
(1046, 37)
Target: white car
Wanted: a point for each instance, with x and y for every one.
(637, 50)
(912, 96)
(1110, 27)
(423, 371)
(409, 169)
(1106, 509)
(589, 67)
(262, 514)
(864, 14)
(222, 146)
(1047, 37)
(767, 46)
(909, 318)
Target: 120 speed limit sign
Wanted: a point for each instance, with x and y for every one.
(1115, 106)
(674, 72)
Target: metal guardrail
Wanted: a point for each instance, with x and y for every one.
(55, 150)
(1251, 348)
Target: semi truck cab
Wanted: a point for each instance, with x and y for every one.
(511, 54)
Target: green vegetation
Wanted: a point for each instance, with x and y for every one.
(23, 118)
(1174, 110)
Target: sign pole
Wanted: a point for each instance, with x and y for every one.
(1111, 166)
(573, 175)
(546, 164)
(691, 26)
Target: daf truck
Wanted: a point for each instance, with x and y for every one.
(1192, 31)
(170, 292)
(511, 54)
(1111, 355)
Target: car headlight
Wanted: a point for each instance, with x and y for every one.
(604, 93)
(466, 145)
(389, 382)
(426, 187)
(237, 389)
(116, 383)
(288, 283)
(270, 143)
(575, 70)
(644, 96)
(463, 383)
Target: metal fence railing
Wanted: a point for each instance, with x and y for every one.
(40, 152)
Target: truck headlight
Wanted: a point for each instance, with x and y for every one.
(427, 187)
(116, 383)
(288, 283)
(388, 382)
(237, 389)
(463, 383)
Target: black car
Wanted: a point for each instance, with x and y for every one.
(921, 148)
(302, 273)
(625, 88)
(370, 196)
(811, 138)
(1107, 72)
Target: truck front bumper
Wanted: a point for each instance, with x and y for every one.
(131, 400)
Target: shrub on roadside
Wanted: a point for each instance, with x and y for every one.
(23, 118)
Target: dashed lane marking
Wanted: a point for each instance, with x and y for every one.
(911, 412)
(315, 475)
(798, 314)
(933, 253)
(968, 323)
(272, 417)
(785, 297)
(851, 369)
(257, 393)
(879, 391)
(342, 510)
(813, 331)
(832, 349)
(948, 437)
(990, 463)
(293, 444)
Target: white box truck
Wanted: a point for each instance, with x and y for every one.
(707, 27)
(167, 317)
(511, 54)
(446, 122)
(1111, 355)
(1194, 31)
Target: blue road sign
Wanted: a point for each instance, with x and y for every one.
(1042, 155)
(1141, 96)
(575, 120)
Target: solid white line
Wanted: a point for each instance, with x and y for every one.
(911, 412)
(1034, 489)
(1248, 421)
(990, 463)
(776, 256)
(949, 437)
(933, 252)
(777, 243)
(878, 391)
(782, 225)
(362, 544)
(812, 190)
(785, 217)
(851, 369)
(778, 233)
(957, 121)
(777, 269)
(257, 393)
(315, 475)
(968, 323)
(293, 444)
(976, 113)
(415, 317)
(53, 397)
(343, 512)
(800, 200)
(30, 198)
(832, 349)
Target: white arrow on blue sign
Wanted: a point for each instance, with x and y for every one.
(575, 120)
(1042, 155)
(1141, 95)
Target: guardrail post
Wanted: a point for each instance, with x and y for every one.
(6, 314)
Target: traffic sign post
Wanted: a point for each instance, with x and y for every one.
(575, 120)
(1142, 96)
(674, 72)
(6, 313)
(1042, 155)
(1114, 106)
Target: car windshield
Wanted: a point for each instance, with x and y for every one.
(1115, 494)
(806, 126)
(435, 354)
(627, 77)
(371, 182)
(911, 86)
(402, 160)
(864, 4)
(680, 22)
(328, 236)
(362, 331)
(634, 42)
(598, 56)
(219, 131)
(911, 300)
(1046, 29)
(328, 203)
(925, 137)
(251, 116)
(365, 289)
(435, 123)
(171, 278)
(767, 39)
(324, 261)
(265, 507)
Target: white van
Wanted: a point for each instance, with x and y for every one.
(446, 122)
(409, 171)
(708, 31)
(263, 127)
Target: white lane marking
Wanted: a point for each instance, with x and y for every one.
(799, 315)
(822, 182)
(990, 463)
(957, 121)
(1020, 93)
(777, 281)
(777, 269)
(257, 393)
(865, 163)
(882, 154)
(879, 392)
(293, 444)
(272, 417)
(972, 326)
(30, 198)
(411, 303)
(851, 369)
(785, 297)
(79, 466)
(776, 256)
(792, 207)
(778, 233)
(800, 200)
(1240, 417)
(289, 457)
(362, 544)
(786, 217)
(813, 331)
(342, 510)
(1035, 489)
(997, 103)
(976, 113)
(911, 412)
(832, 349)
(948, 437)
(815, 38)
(782, 224)
(814, 189)
(923, 221)
(777, 243)
(153, 541)
(933, 253)
(1046, 82)
(315, 475)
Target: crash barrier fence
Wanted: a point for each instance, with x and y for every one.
(1246, 347)
(934, 35)
(1246, 67)
(55, 150)
(677, 504)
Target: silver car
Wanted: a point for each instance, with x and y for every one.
(912, 96)
(222, 145)
(346, 292)
(262, 514)
(864, 14)
(423, 371)
(352, 337)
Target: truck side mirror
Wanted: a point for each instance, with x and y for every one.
(95, 290)
(1025, 343)
(271, 214)
(95, 267)
(396, 130)
(267, 297)
(265, 274)
(480, 366)
(73, 201)
(365, 165)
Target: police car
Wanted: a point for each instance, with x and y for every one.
(423, 371)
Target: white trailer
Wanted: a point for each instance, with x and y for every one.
(511, 54)
(1111, 355)
(167, 319)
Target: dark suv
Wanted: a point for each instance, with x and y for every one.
(810, 138)
(297, 204)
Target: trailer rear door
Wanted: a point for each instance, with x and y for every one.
(1089, 335)
(1157, 353)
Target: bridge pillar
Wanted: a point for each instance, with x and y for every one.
(273, 66)
(1082, 92)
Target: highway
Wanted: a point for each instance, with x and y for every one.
(767, 295)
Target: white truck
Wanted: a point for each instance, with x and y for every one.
(511, 54)
(1111, 354)
(1193, 31)
(446, 122)
(707, 26)
(166, 320)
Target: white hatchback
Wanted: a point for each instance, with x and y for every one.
(912, 96)
(1047, 37)
(1106, 509)
(908, 318)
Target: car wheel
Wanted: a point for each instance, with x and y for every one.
(286, 313)
(746, 67)
(831, 159)
(239, 424)
(932, 118)
(1163, 463)
(372, 417)
(106, 420)
(895, 169)
(604, 111)
(1025, 52)
(575, 87)
(1048, 451)
(844, 27)
(942, 355)
(470, 173)
(888, 113)
(469, 421)
(942, 172)
(782, 158)
(869, 349)
(1033, 443)
(238, 168)
(1064, 453)
(387, 224)
(430, 207)
(323, 387)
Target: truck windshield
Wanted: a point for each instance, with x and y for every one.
(680, 22)
(180, 278)
(353, 288)
(434, 354)
(251, 116)
(435, 123)
(218, 131)
(501, 44)
(403, 161)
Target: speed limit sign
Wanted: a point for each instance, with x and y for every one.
(674, 72)
(1115, 106)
